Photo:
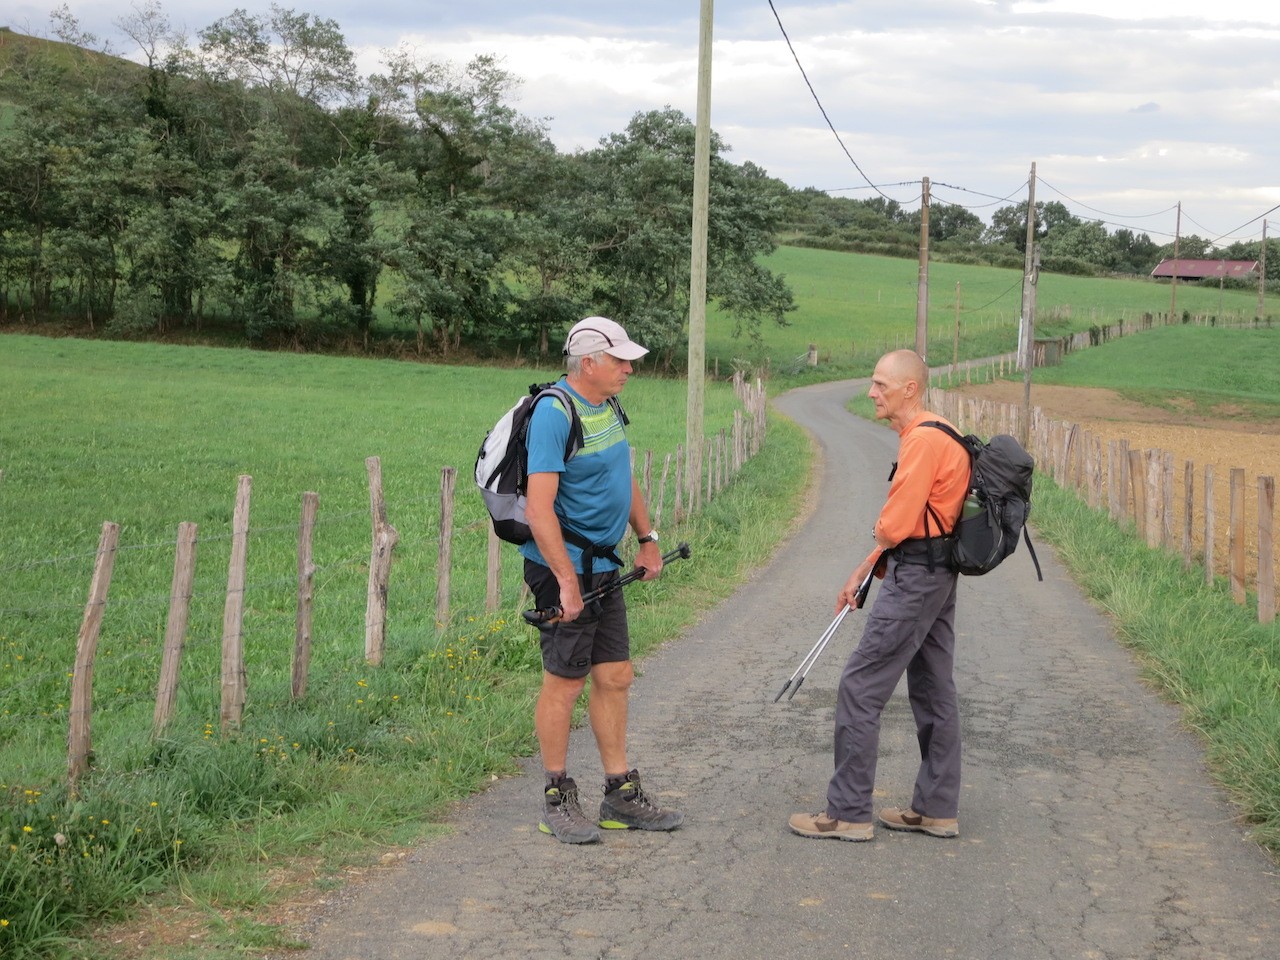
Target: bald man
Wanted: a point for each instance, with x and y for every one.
(910, 628)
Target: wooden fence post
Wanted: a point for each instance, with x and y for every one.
(444, 561)
(79, 736)
(1235, 539)
(233, 675)
(1266, 550)
(678, 511)
(1155, 508)
(1137, 481)
(1166, 500)
(306, 588)
(1122, 490)
(662, 492)
(385, 537)
(1188, 510)
(175, 633)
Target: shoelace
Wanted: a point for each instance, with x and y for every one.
(639, 798)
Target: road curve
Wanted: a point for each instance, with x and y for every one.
(1089, 826)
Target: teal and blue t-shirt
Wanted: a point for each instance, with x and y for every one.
(594, 496)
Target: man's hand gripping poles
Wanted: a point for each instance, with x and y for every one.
(537, 617)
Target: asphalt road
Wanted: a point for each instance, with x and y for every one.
(1089, 826)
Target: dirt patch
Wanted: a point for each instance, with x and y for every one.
(1223, 440)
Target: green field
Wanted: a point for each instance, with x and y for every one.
(149, 436)
(1190, 369)
(855, 306)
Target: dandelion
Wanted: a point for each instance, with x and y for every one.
(106, 823)
(3, 922)
(27, 828)
(361, 683)
(154, 804)
(60, 839)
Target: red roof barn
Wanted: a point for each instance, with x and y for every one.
(1185, 269)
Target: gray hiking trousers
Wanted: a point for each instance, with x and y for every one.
(911, 628)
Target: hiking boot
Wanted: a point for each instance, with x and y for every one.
(628, 808)
(896, 819)
(819, 826)
(562, 815)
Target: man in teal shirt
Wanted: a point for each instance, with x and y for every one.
(595, 496)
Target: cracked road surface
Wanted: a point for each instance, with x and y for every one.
(1089, 825)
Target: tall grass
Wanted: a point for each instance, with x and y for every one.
(1203, 649)
(149, 436)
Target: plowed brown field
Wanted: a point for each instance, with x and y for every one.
(1223, 440)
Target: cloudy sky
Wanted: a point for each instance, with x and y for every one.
(1126, 106)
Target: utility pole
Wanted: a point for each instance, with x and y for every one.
(922, 286)
(698, 259)
(1173, 285)
(1024, 336)
(1031, 349)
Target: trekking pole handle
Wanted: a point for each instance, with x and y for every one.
(537, 617)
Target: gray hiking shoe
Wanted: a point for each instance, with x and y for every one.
(562, 815)
(628, 808)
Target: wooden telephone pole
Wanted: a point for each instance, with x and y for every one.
(922, 286)
(698, 259)
(1025, 347)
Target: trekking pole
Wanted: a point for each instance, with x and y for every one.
(815, 652)
(536, 617)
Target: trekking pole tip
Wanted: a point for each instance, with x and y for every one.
(685, 552)
(782, 691)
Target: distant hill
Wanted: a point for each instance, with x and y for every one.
(23, 57)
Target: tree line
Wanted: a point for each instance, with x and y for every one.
(1067, 244)
(251, 179)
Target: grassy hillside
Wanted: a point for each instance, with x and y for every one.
(854, 306)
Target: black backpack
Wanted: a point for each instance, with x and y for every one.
(997, 506)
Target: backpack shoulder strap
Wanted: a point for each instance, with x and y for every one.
(575, 440)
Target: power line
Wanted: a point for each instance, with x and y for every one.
(1130, 216)
(821, 108)
(1016, 192)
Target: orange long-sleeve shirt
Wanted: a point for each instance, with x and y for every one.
(932, 469)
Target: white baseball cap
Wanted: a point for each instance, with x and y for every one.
(600, 333)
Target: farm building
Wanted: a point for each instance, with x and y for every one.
(1186, 269)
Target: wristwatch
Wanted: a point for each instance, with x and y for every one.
(650, 537)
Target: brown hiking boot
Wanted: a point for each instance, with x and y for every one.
(908, 819)
(820, 827)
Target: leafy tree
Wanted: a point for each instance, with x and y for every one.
(1009, 224)
(639, 231)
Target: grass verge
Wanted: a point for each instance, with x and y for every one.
(1201, 649)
